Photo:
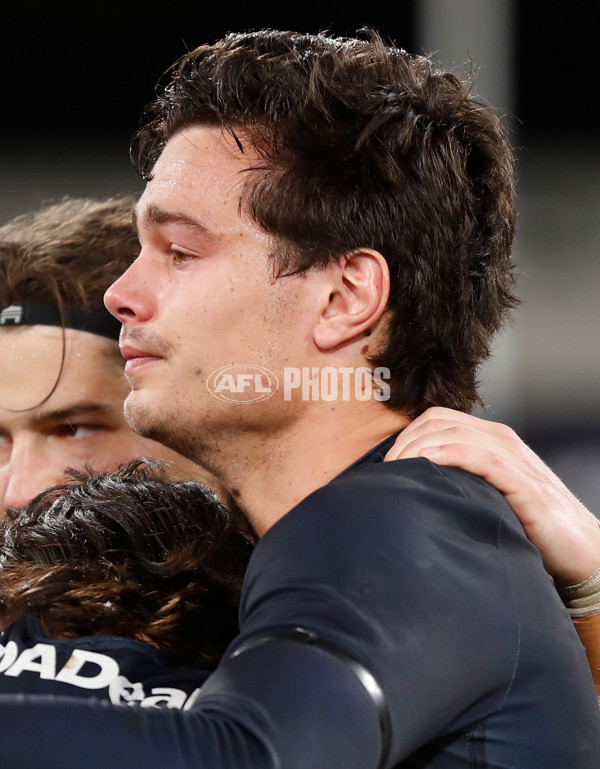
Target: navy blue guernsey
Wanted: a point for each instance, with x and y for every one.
(122, 670)
(396, 617)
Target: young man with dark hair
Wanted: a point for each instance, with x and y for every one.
(121, 586)
(315, 207)
(61, 374)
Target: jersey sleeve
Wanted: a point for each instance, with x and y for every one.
(268, 703)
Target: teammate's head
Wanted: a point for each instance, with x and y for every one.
(353, 144)
(61, 374)
(130, 554)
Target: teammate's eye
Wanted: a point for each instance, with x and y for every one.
(77, 430)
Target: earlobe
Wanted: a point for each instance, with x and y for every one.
(358, 291)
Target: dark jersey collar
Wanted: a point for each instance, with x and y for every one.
(376, 454)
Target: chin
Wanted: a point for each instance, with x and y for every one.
(143, 419)
(166, 428)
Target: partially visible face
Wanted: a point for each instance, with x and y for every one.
(201, 296)
(80, 424)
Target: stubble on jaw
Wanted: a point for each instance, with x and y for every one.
(177, 430)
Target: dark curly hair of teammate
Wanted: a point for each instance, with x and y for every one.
(128, 553)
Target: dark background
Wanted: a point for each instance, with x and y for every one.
(70, 68)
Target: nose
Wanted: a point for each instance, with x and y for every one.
(29, 471)
(130, 298)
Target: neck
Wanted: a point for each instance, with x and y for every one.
(267, 476)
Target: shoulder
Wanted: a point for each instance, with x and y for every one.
(404, 518)
(408, 478)
(397, 499)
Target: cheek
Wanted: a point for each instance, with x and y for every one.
(123, 446)
(110, 452)
(100, 452)
(5, 449)
(58, 461)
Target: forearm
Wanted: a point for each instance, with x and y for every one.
(588, 629)
(583, 603)
(267, 710)
(69, 733)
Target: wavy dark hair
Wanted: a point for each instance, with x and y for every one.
(365, 145)
(128, 553)
(67, 253)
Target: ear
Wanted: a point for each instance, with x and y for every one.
(358, 288)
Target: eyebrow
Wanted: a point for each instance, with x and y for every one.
(154, 214)
(73, 411)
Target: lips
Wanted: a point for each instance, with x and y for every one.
(135, 357)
